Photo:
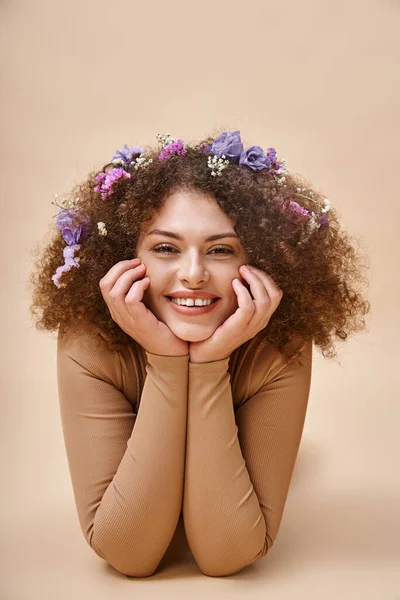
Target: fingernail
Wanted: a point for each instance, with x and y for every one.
(246, 268)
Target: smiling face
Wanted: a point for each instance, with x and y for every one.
(189, 261)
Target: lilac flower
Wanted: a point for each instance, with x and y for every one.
(255, 158)
(127, 153)
(296, 208)
(73, 225)
(172, 148)
(324, 220)
(69, 262)
(204, 148)
(277, 166)
(229, 144)
(108, 179)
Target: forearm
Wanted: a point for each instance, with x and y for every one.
(140, 508)
(224, 524)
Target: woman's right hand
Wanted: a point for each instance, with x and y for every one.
(122, 288)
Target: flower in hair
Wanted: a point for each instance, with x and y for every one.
(125, 156)
(73, 225)
(74, 228)
(229, 145)
(176, 147)
(102, 228)
(217, 164)
(255, 158)
(107, 181)
(69, 262)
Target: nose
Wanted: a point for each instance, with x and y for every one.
(192, 271)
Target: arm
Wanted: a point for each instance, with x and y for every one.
(239, 466)
(126, 468)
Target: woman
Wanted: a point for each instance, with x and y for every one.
(171, 409)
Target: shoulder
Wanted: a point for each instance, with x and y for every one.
(259, 361)
(88, 349)
(86, 352)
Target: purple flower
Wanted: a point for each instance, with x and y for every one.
(204, 148)
(324, 220)
(127, 153)
(296, 208)
(73, 225)
(107, 180)
(229, 144)
(271, 153)
(69, 262)
(277, 166)
(172, 148)
(255, 158)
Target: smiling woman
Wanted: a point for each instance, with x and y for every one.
(280, 224)
(184, 352)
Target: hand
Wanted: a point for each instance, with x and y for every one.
(250, 317)
(124, 301)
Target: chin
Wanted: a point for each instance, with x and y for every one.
(192, 333)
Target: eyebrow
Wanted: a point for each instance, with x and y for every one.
(170, 234)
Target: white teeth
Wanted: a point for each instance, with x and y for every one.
(192, 301)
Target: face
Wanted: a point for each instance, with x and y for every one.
(189, 261)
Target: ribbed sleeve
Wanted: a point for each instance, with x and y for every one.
(126, 469)
(239, 465)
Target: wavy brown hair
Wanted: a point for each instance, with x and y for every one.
(321, 279)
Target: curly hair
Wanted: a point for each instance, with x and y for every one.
(321, 278)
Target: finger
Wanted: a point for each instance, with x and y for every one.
(133, 310)
(126, 280)
(258, 288)
(135, 294)
(245, 302)
(129, 286)
(109, 279)
(273, 289)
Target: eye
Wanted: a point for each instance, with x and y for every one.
(163, 249)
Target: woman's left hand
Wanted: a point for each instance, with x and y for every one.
(252, 315)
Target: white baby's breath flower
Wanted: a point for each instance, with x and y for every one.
(217, 164)
(327, 205)
(164, 139)
(102, 228)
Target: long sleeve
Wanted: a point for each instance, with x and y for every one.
(239, 465)
(126, 469)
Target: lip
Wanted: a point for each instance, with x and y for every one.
(192, 310)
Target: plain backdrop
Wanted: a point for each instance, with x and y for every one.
(318, 81)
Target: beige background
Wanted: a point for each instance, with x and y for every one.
(319, 81)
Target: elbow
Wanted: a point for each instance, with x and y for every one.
(228, 562)
(120, 560)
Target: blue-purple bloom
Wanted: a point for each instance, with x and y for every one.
(228, 144)
(73, 225)
(255, 158)
(127, 153)
(324, 220)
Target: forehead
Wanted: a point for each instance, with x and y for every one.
(191, 211)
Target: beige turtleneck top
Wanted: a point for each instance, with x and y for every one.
(153, 439)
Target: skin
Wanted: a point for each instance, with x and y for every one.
(191, 263)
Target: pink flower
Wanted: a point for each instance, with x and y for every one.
(108, 179)
(172, 148)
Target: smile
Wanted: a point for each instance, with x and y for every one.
(192, 310)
